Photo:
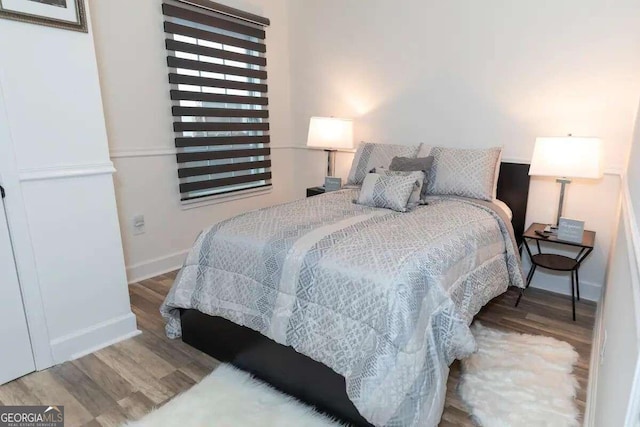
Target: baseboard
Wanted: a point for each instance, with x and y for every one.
(93, 338)
(155, 267)
(562, 285)
(594, 368)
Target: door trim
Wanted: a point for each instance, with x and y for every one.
(22, 249)
(19, 363)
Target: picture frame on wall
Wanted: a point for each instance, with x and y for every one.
(64, 14)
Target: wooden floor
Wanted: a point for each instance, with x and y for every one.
(128, 379)
(539, 313)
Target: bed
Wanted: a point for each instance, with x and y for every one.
(344, 306)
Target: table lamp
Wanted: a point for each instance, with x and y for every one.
(567, 157)
(330, 134)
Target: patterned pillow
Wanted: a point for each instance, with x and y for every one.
(424, 151)
(390, 192)
(418, 164)
(415, 197)
(370, 155)
(464, 172)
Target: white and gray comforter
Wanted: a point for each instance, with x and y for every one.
(383, 298)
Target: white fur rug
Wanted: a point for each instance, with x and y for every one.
(519, 380)
(229, 397)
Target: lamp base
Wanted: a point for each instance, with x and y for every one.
(563, 182)
(331, 162)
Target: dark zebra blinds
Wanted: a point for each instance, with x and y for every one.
(219, 98)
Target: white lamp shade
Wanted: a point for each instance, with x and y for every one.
(330, 133)
(567, 156)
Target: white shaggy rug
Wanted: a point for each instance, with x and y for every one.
(519, 380)
(229, 397)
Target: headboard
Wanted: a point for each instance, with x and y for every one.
(513, 189)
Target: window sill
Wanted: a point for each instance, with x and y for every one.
(224, 198)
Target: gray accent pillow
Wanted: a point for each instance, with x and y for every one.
(416, 195)
(390, 192)
(414, 164)
(464, 172)
(370, 155)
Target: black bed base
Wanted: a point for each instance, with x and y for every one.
(296, 374)
(278, 365)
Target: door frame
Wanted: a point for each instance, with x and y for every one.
(18, 224)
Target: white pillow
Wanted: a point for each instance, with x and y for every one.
(502, 205)
(464, 172)
(425, 150)
(414, 199)
(371, 155)
(495, 180)
(389, 192)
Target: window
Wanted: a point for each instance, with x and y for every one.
(218, 78)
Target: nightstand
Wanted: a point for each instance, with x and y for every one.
(557, 262)
(314, 191)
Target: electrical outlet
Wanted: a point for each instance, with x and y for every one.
(138, 224)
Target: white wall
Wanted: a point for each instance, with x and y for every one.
(62, 212)
(133, 74)
(633, 171)
(614, 399)
(476, 74)
(617, 355)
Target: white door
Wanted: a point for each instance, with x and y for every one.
(16, 358)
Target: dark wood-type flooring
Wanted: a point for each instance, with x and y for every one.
(128, 379)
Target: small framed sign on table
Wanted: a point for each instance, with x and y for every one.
(65, 14)
(570, 230)
(332, 183)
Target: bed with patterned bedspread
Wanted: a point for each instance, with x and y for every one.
(383, 298)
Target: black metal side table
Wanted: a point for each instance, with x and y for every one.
(557, 262)
(315, 191)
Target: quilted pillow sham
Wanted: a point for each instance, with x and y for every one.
(464, 172)
(416, 195)
(389, 192)
(371, 155)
